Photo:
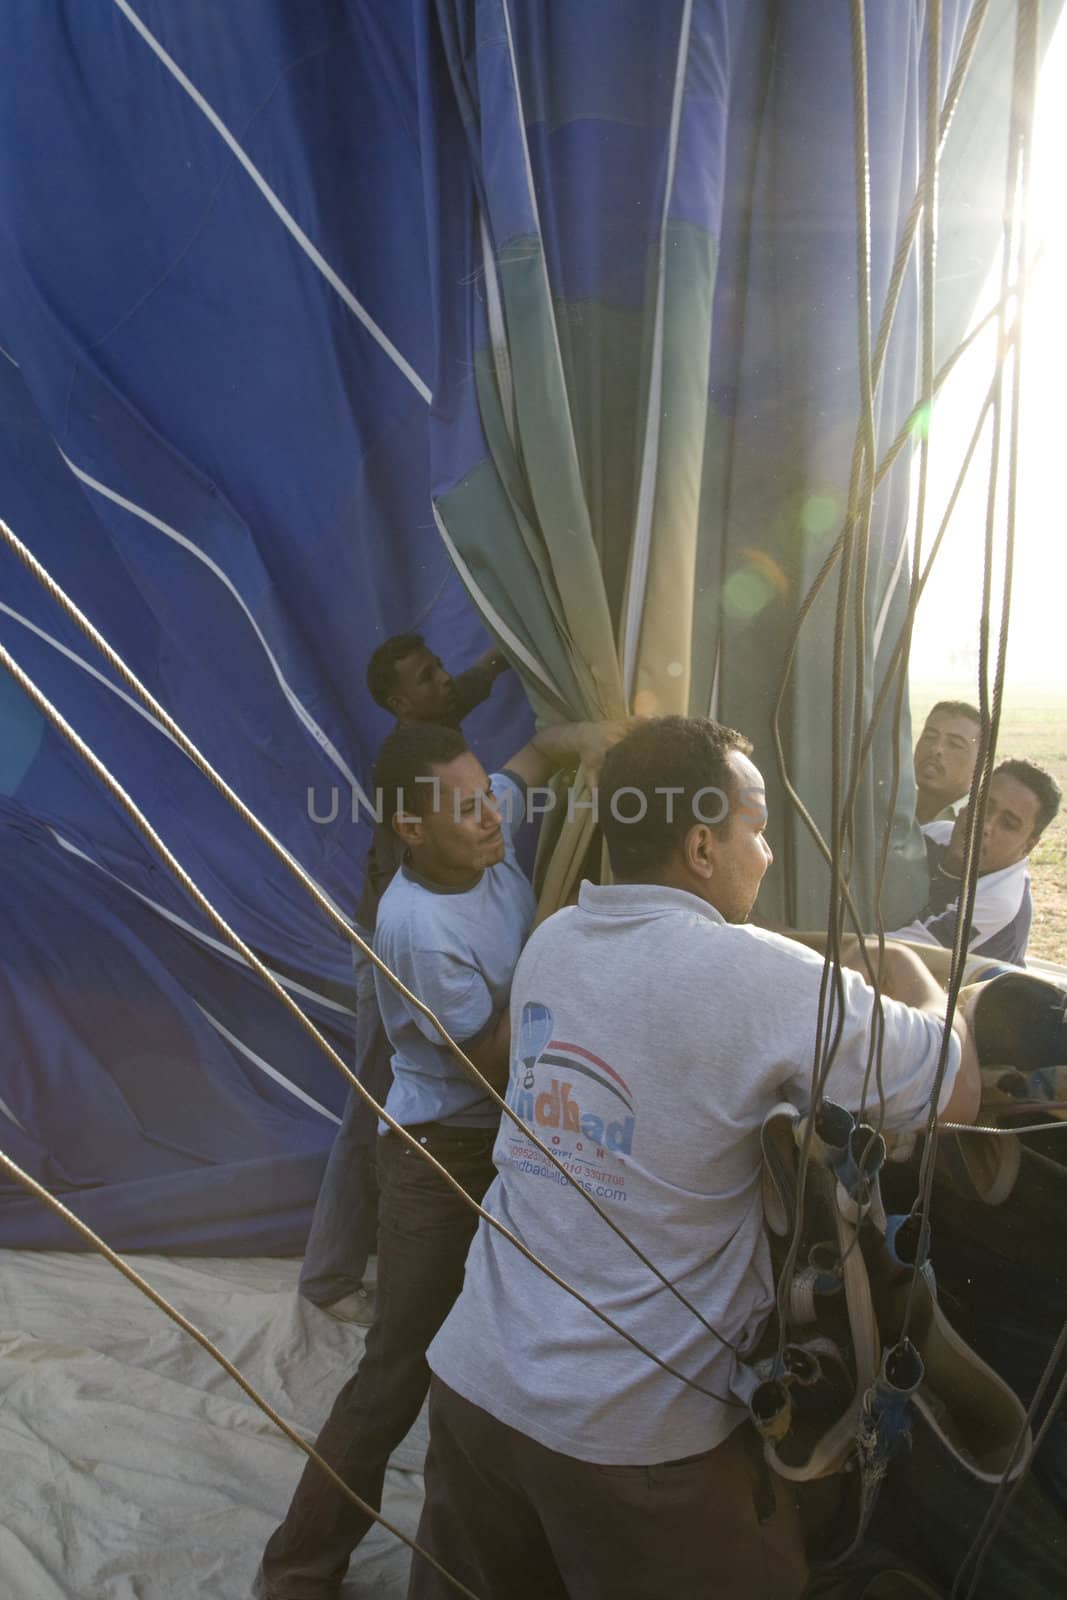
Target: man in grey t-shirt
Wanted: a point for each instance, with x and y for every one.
(652, 1031)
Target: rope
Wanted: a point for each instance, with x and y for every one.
(831, 1010)
(134, 1277)
(851, 550)
(118, 665)
(928, 281)
(115, 789)
(1008, 1132)
(832, 557)
(1001, 1502)
(1016, 196)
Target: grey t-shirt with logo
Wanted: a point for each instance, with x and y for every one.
(649, 1041)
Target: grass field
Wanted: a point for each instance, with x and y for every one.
(1033, 724)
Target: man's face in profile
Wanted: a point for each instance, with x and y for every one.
(423, 690)
(1010, 829)
(945, 755)
(741, 852)
(459, 834)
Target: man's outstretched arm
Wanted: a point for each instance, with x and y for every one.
(565, 744)
(905, 978)
(475, 684)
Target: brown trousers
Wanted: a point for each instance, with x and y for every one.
(516, 1521)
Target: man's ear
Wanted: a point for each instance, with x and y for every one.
(397, 704)
(699, 850)
(408, 827)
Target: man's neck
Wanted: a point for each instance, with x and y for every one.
(672, 877)
(928, 806)
(440, 876)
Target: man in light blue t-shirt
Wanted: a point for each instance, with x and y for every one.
(451, 926)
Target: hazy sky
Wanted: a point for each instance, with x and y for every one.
(947, 622)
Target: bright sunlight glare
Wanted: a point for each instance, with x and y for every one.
(945, 648)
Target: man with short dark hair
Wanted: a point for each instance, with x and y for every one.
(450, 925)
(652, 1033)
(1023, 800)
(945, 754)
(406, 678)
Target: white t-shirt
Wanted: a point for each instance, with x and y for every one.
(649, 1041)
(1003, 906)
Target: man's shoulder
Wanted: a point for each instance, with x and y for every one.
(409, 911)
(561, 926)
(394, 906)
(1007, 887)
(688, 943)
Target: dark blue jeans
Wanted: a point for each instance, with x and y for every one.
(424, 1232)
(344, 1229)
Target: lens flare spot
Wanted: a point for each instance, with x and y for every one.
(819, 513)
(768, 568)
(674, 669)
(646, 703)
(920, 425)
(747, 593)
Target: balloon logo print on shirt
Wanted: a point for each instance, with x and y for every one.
(535, 1031)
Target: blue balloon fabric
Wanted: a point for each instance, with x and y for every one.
(241, 310)
(215, 320)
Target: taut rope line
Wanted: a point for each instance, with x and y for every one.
(134, 1277)
(111, 783)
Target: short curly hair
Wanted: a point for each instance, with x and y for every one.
(1041, 784)
(957, 708)
(411, 752)
(669, 763)
(381, 668)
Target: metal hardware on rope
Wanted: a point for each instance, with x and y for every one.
(885, 1429)
(115, 661)
(1006, 1133)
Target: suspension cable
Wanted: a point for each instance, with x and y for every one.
(127, 675)
(133, 1276)
(137, 816)
(1016, 198)
(831, 559)
(1000, 1504)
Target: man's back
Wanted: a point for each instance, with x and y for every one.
(649, 1040)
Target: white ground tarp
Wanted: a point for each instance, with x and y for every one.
(131, 1466)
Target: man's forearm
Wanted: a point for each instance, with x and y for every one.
(558, 744)
(965, 1101)
(565, 744)
(492, 1054)
(493, 661)
(906, 979)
